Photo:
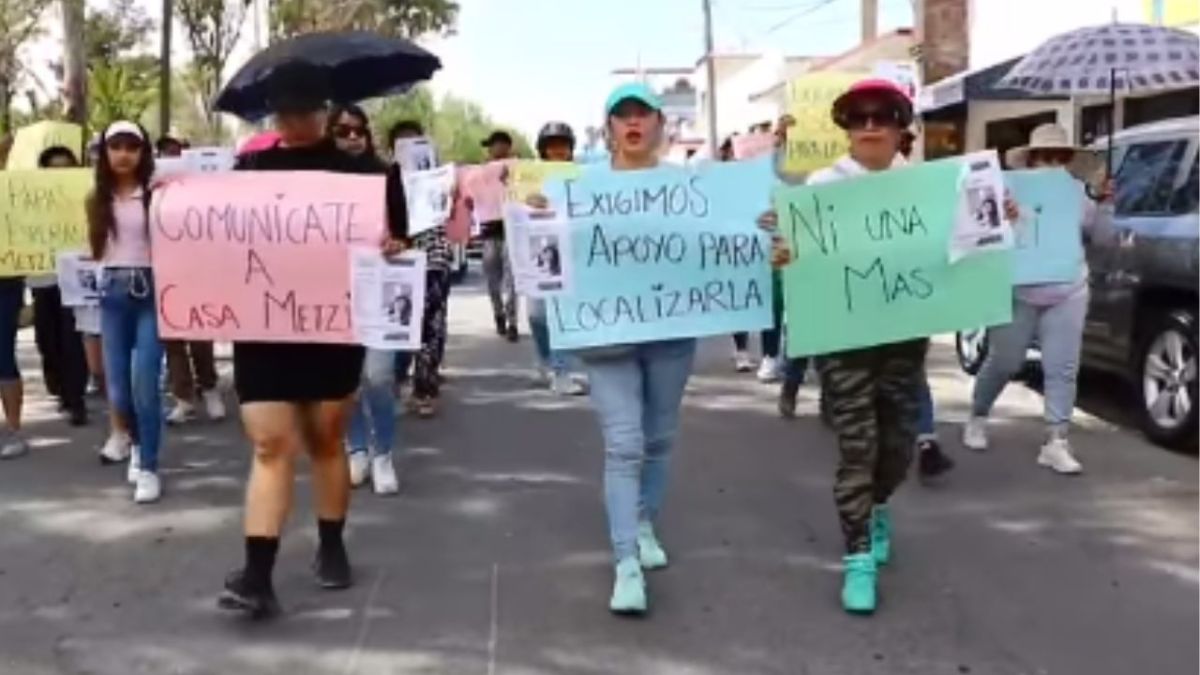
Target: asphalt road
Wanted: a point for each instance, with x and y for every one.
(494, 558)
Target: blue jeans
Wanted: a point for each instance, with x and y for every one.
(553, 360)
(374, 414)
(133, 356)
(637, 398)
(925, 423)
(1059, 330)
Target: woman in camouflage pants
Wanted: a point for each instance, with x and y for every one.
(872, 392)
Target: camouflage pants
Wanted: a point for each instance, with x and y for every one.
(873, 403)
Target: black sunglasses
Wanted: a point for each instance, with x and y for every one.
(860, 119)
(348, 131)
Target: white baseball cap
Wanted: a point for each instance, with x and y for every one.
(124, 128)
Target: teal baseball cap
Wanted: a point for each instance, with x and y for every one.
(637, 91)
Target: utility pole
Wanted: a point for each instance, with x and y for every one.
(870, 20)
(164, 73)
(711, 66)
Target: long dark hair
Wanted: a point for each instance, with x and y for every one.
(354, 111)
(101, 221)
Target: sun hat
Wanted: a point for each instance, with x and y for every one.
(874, 86)
(1050, 136)
(124, 128)
(632, 91)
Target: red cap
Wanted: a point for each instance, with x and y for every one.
(880, 87)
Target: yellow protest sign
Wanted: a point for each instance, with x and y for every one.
(815, 141)
(41, 213)
(30, 141)
(1171, 12)
(526, 177)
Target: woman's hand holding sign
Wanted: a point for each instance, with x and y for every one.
(781, 254)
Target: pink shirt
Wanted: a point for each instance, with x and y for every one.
(131, 245)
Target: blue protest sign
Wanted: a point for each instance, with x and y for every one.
(1049, 244)
(663, 253)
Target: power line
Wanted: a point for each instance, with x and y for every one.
(776, 8)
(802, 13)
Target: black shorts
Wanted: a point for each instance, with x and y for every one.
(296, 372)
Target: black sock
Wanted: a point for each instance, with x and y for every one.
(330, 533)
(260, 560)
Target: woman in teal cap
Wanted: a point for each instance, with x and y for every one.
(636, 389)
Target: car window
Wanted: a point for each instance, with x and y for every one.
(1186, 198)
(1146, 177)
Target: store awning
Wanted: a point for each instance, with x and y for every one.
(974, 85)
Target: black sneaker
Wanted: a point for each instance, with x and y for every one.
(78, 417)
(787, 406)
(501, 326)
(932, 462)
(511, 333)
(332, 568)
(238, 596)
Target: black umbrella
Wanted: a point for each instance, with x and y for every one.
(360, 65)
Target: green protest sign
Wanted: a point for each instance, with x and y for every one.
(871, 264)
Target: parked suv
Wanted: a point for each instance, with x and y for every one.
(1143, 259)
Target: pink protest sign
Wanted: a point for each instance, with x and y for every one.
(749, 146)
(485, 187)
(261, 257)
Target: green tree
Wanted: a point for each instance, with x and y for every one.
(404, 18)
(456, 125)
(116, 31)
(121, 91)
(212, 28)
(20, 22)
(121, 75)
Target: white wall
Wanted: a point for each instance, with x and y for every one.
(980, 113)
(736, 82)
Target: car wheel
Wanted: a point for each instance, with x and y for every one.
(1166, 371)
(972, 348)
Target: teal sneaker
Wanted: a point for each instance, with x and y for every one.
(858, 588)
(881, 534)
(650, 552)
(629, 589)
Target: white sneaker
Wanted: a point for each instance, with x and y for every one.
(360, 468)
(14, 446)
(135, 464)
(742, 362)
(383, 475)
(768, 370)
(116, 448)
(148, 488)
(565, 385)
(541, 375)
(214, 405)
(184, 411)
(975, 433)
(1056, 455)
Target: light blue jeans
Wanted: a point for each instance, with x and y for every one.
(1059, 330)
(637, 398)
(133, 356)
(555, 361)
(374, 414)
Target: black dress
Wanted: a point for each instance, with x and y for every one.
(303, 372)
